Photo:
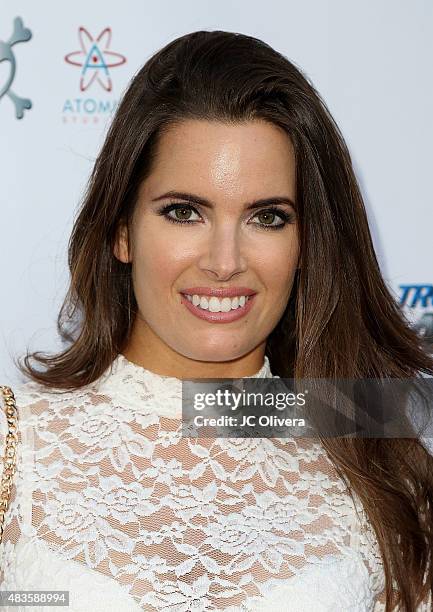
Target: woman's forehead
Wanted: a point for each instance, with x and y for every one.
(239, 158)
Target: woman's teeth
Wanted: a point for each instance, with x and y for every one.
(214, 304)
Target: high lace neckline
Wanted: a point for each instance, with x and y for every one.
(142, 390)
(122, 362)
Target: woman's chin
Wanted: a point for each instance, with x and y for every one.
(214, 354)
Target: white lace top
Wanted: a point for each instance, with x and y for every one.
(112, 504)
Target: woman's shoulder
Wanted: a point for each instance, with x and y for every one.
(31, 393)
(23, 394)
(37, 403)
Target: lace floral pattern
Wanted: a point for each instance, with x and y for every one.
(106, 482)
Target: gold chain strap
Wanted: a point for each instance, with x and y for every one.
(9, 458)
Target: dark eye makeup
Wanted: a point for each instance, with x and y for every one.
(286, 217)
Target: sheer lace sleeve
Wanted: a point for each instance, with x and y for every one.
(3, 434)
(11, 529)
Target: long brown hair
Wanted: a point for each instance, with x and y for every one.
(341, 320)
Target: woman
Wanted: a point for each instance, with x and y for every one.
(222, 170)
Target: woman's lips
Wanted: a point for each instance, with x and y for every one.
(219, 317)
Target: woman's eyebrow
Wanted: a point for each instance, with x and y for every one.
(195, 199)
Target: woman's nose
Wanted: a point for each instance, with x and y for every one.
(223, 254)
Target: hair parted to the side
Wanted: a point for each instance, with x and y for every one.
(341, 320)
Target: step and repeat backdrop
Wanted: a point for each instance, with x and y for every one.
(64, 66)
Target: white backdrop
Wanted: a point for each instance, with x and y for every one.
(372, 62)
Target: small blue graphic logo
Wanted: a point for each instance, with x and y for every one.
(420, 296)
(95, 58)
(20, 34)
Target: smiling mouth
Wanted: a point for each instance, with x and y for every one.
(214, 304)
(216, 310)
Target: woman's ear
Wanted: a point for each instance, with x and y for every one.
(121, 244)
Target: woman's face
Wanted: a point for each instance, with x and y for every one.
(223, 244)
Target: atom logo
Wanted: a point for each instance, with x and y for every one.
(20, 34)
(95, 58)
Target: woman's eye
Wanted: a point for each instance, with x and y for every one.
(270, 215)
(269, 219)
(181, 213)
